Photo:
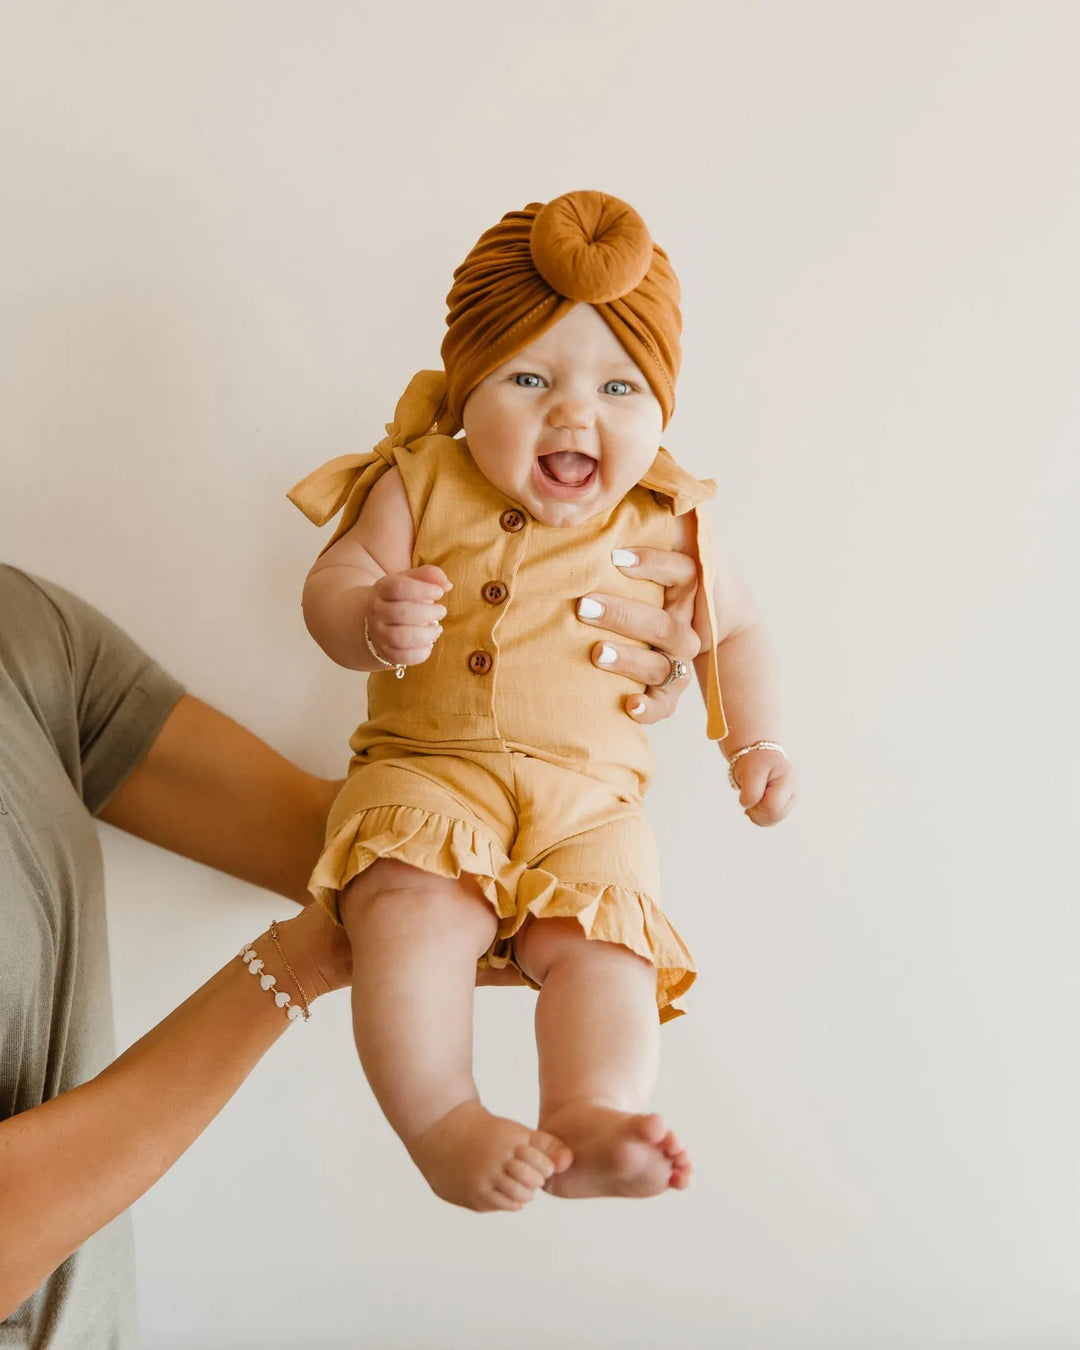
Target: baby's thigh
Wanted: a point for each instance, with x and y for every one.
(393, 903)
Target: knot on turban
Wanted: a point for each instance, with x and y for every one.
(590, 247)
(531, 268)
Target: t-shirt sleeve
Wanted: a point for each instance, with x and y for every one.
(119, 696)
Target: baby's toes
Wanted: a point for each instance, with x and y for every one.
(558, 1153)
(518, 1182)
(528, 1173)
(681, 1170)
(670, 1146)
(537, 1163)
(500, 1198)
(650, 1129)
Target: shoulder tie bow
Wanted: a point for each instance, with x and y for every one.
(343, 484)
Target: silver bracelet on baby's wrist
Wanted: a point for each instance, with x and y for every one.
(757, 745)
(396, 667)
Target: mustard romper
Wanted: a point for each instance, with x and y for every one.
(507, 755)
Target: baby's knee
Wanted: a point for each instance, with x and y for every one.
(390, 892)
(544, 944)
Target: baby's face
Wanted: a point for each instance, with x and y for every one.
(567, 426)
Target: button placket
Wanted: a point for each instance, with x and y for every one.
(495, 592)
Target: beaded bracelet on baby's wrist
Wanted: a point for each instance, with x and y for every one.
(757, 745)
(256, 966)
(395, 666)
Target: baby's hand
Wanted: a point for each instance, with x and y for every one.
(404, 612)
(766, 786)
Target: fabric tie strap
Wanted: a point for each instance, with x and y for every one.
(716, 724)
(343, 484)
(687, 494)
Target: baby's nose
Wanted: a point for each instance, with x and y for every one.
(572, 414)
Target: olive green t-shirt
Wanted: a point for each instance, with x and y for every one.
(80, 705)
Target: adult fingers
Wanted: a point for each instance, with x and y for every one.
(668, 630)
(654, 705)
(677, 571)
(643, 664)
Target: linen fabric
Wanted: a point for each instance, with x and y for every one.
(342, 485)
(540, 840)
(80, 704)
(507, 755)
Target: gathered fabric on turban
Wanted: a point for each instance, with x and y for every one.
(527, 271)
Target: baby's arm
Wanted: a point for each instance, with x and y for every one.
(368, 576)
(750, 686)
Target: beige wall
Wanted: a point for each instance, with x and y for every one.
(226, 232)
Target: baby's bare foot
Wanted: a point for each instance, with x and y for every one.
(485, 1162)
(616, 1153)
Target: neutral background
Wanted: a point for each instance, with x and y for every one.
(226, 234)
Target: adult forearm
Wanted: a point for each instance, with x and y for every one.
(750, 686)
(71, 1165)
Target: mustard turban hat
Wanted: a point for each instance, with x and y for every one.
(527, 271)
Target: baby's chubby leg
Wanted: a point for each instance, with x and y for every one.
(415, 940)
(597, 1033)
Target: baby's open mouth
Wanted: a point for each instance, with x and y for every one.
(570, 468)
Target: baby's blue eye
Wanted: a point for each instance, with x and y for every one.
(528, 381)
(617, 387)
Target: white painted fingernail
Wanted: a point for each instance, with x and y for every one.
(636, 709)
(623, 557)
(607, 657)
(589, 608)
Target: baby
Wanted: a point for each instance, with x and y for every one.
(493, 810)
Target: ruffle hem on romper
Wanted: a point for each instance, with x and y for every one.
(448, 847)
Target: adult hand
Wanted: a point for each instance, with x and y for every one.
(318, 950)
(668, 630)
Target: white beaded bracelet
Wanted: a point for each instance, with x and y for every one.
(758, 745)
(257, 966)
